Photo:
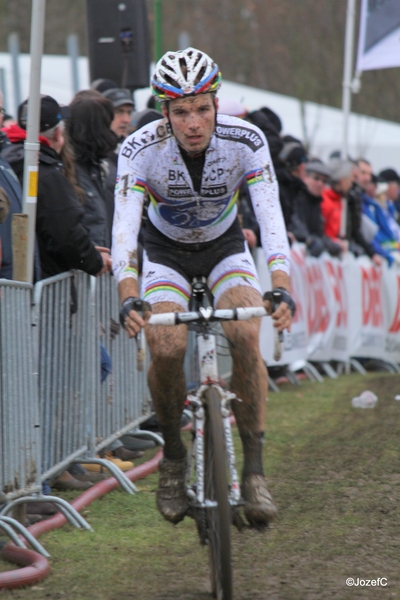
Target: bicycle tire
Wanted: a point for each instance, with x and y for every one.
(216, 489)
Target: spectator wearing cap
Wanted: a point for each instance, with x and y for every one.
(121, 125)
(92, 140)
(341, 209)
(306, 223)
(10, 203)
(392, 178)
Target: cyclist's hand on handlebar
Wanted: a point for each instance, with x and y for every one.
(282, 317)
(133, 315)
(281, 306)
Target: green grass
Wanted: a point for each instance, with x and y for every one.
(335, 476)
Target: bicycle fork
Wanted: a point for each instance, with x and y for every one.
(209, 376)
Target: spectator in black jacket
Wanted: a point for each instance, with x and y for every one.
(306, 223)
(121, 125)
(63, 240)
(291, 175)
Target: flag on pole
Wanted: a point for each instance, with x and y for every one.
(379, 40)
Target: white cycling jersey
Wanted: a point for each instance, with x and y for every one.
(150, 160)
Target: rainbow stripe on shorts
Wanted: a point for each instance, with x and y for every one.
(248, 276)
(165, 286)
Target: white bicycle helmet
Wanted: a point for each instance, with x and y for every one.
(184, 73)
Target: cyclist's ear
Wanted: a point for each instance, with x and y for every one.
(165, 109)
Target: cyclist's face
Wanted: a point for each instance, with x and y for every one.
(192, 121)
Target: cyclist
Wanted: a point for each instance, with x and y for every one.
(191, 163)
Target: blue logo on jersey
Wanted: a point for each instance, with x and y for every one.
(193, 214)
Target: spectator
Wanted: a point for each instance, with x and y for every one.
(380, 212)
(121, 125)
(10, 203)
(374, 224)
(392, 178)
(307, 223)
(88, 128)
(291, 177)
(341, 209)
(63, 240)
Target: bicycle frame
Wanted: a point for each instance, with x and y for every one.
(208, 367)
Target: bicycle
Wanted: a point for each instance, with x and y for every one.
(212, 481)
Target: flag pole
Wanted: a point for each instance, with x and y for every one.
(32, 145)
(347, 72)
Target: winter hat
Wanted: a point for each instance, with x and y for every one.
(51, 113)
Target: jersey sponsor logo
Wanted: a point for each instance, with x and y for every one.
(194, 213)
(176, 175)
(214, 175)
(179, 191)
(214, 190)
(240, 134)
(135, 144)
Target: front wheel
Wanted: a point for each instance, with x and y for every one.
(216, 490)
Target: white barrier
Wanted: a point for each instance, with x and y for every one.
(345, 308)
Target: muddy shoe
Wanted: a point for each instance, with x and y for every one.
(259, 508)
(171, 497)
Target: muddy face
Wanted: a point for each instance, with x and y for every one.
(192, 120)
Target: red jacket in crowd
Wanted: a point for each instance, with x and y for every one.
(331, 208)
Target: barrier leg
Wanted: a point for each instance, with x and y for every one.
(147, 434)
(329, 370)
(115, 471)
(26, 534)
(357, 366)
(11, 533)
(68, 511)
(272, 385)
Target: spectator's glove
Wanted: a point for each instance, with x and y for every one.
(129, 304)
(278, 295)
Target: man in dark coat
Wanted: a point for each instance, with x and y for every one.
(63, 241)
(306, 223)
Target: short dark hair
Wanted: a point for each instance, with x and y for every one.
(88, 127)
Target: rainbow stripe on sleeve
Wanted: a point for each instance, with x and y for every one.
(275, 261)
(254, 177)
(139, 186)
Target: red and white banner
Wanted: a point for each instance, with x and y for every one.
(345, 308)
(379, 39)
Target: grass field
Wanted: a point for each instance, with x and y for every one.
(334, 473)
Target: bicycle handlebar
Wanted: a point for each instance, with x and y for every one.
(208, 315)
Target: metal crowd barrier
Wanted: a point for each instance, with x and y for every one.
(66, 342)
(123, 399)
(20, 423)
(19, 411)
(69, 371)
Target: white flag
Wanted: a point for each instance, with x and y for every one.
(379, 40)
